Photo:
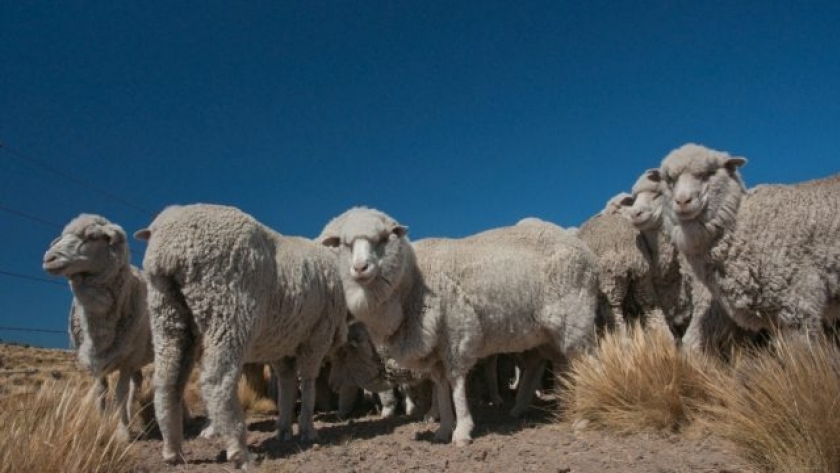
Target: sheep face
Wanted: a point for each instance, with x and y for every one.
(357, 363)
(646, 209)
(371, 250)
(89, 244)
(697, 179)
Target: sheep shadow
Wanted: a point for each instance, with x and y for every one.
(496, 420)
(333, 434)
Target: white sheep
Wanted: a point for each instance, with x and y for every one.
(671, 280)
(359, 363)
(770, 257)
(443, 304)
(223, 284)
(625, 268)
(109, 324)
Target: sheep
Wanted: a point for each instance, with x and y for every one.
(671, 280)
(624, 263)
(361, 364)
(442, 304)
(223, 283)
(108, 323)
(770, 257)
(640, 273)
(618, 204)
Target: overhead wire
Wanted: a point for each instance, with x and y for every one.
(25, 158)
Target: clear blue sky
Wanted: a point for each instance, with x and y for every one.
(454, 117)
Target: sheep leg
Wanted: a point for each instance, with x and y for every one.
(174, 358)
(491, 376)
(433, 414)
(219, 382)
(533, 367)
(410, 405)
(134, 390)
(346, 400)
(97, 393)
(306, 424)
(389, 403)
(286, 397)
(464, 422)
(122, 399)
(444, 401)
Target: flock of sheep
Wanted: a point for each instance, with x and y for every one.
(690, 249)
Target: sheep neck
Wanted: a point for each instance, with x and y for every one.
(105, 316)
(405, 325)
(708, 240)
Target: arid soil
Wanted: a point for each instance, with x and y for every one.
(369, 444)
(540, 443)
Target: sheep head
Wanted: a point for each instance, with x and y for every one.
(357, 363)
(89, 244)
(645, 212)
(372, 250)
(698, 180)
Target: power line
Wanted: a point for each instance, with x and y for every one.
(23, 157)
(24, 329)
(31, 278)
(29, 217)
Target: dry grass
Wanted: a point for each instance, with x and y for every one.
(638, 382)
(57, 429)
(781, 407)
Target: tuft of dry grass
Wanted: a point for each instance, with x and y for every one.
(637, 382)
(781, 407)
(58, 429)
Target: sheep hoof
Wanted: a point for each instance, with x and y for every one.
(463, 442)
(173, 458)
(443, 435)
(241, 459)
(285, 435)
(518, 412)
(580, 424)
(309, 436)
(387, 413)
(207, 432)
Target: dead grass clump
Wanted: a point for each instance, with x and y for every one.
(781, 407)
(635, 383)
(57, 429)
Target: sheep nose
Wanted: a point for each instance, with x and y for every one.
(683, 201)
(361, 267)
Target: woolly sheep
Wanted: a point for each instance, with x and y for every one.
(671, 280)
(624, 268)
(441, 305)
(109, 324)
(771, 258)
(360, 363)
(223, 284)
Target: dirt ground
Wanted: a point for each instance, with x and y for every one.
(501, 444)
(367, 443)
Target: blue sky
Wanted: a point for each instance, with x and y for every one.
(454, 117)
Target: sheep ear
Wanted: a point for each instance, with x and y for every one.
(331, 240)
(654, 175)
(114, 234)
(734, 163)
(144, 234)
(400, 230)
